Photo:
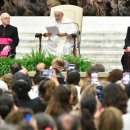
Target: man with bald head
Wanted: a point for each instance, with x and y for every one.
(61, 43)
(9, 38)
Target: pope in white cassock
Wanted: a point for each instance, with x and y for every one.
(62, 43)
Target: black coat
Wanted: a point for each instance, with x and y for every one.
(127, 40)
(10, 32)
(125, 60)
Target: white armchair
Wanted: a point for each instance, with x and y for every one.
(76, 14)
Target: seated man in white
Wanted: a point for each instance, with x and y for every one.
(61, 43)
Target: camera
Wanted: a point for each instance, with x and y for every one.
(46, 73)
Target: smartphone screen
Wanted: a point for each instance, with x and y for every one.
(27, 118)
(99, 92)
(46, 73)
(94, 78)
(71, 66)
(126, 78)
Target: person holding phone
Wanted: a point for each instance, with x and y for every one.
(57, 65)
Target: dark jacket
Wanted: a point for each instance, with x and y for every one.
(125, 60)
(40, 106)
(10, 32)
(127, 40)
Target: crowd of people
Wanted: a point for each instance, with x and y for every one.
(53, 101)
(42, 7)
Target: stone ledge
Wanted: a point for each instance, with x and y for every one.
(82, 74)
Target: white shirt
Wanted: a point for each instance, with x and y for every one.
(126, 118)
(33, 93)
(126, 121)
(78, 91)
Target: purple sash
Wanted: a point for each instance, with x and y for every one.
(5, 41)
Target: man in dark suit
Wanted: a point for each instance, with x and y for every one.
(125, 60)
(10, 32)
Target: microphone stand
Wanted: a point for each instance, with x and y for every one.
(39, 35)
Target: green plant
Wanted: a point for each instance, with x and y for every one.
(30, 60)
(82, 63)
(48, 60)
(4, 65)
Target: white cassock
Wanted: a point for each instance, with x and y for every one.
(56, 45)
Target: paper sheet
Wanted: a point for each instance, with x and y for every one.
(53, 29)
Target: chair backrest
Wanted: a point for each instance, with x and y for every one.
(73, 12)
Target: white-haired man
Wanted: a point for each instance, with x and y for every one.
(8, 36)
(61, 43)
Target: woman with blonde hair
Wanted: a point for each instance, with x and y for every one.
(111, 119)
(89, 90)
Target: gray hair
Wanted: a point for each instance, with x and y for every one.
(4, 15)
